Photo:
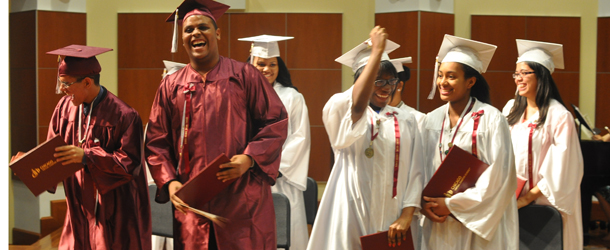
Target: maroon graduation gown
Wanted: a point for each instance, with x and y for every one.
(236, 111)
(113, 150)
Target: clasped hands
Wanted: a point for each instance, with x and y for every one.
(435, 209)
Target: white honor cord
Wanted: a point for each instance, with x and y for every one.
(80, 119)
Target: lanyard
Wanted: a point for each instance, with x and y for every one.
(80, 119)
(530, 156)
(396, 151)
(369, 152)
(476, 116)
(440, 141)
(186, 115)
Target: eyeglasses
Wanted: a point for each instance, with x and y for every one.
(68, 84)
(381, 82)
(522, 74)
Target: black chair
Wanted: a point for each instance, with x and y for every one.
(282, 220)
(161, 215)
(540, 228)
(310, 196)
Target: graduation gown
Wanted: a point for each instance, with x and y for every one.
(419, 116)
(358, 198)
(487, 213)
(235, 111)
(295, 163)
(108, 204)
(557, 166)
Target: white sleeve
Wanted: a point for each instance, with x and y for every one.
(337, 118)
(294, 164)
(562, 167)
(508, 106)
(415, 185)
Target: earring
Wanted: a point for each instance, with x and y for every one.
(399, 90)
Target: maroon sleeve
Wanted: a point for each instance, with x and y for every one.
(270, 123)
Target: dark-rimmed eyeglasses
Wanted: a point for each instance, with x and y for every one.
(68, 84)
(522, 74)
(382, 82)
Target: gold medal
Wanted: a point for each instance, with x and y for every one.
(450, 145)
(369, 152)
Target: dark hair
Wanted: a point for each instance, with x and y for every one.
(545, 91)
(405, 75)
(95, 78)
(385, 68)
(283, 75)
(480, 90)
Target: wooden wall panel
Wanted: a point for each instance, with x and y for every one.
(317, 86)
(47, 99)
(138, 88)
(566, 33)
(254, 24)
(145, 39)
(602, 102)
(603, 40)
(225, 36)
(23, 109)
(402, 29)
(22, 40)
(308, 50)
(320, 161)
(57, 30)
(501, 87)
(425, 105)
(409, 90)
(567, 83)
(434, 26)
(502, 32)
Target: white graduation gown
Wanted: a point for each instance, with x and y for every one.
(557, 166)
(487, 213)
(419, 116)
(358, 198)
(294, 164)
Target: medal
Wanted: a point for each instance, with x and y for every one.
(450, 144)
(369, 152)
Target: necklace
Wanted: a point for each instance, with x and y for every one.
(450, 144)
(369, 152)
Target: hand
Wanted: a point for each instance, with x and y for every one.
(238, 165)
(378, 38)
(522, 202)
(398, 230)
(427, 205)
(17, 156)
(441, 209)
(172, 188)
(69, 154)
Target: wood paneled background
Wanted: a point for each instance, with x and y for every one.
(602, 89)
(503, 30)
(309, 57)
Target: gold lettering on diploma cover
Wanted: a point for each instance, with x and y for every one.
(457, 184)
(43, 167)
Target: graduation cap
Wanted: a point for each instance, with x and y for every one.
(398, 62)
(209, 8)
(265, 46)
(359, 55)
(549, 55)
(171, 67)
(79, 61)
(470, 52)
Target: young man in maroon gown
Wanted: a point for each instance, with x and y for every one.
(108, 204)
(227, 107)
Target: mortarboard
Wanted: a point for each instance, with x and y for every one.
(209, 8)
(359, 55)
(79, 61)
(398, 62)
(172, 67)
(265, 46)
(470, 52)
(549, 55)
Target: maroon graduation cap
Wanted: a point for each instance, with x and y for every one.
(79, 61)
(209, 8)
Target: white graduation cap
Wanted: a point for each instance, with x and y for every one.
(265, 46)
(171, 67)
(398, 62)
(549, 55)
(359, 56)
(470, 52)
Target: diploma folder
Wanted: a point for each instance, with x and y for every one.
(39, 169)
(379, 241)
(202, 188)
(459, 171)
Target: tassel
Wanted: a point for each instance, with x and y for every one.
(58, 85)
(433, 91)
(218, 220)
(175, 37)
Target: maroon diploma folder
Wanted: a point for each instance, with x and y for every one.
(38, 168)
(202, 188)
(379, 241)
(458, 172)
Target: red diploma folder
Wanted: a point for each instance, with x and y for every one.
(38, 168)
(458, 172)
(202, 188)
(379, 241)
(520, 184)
